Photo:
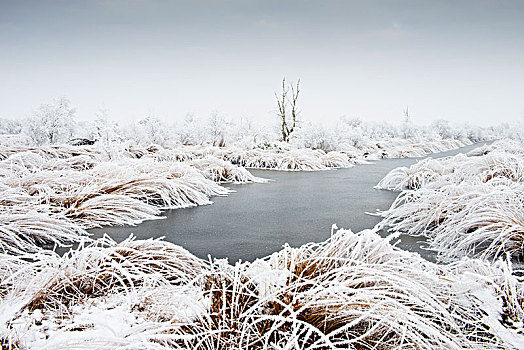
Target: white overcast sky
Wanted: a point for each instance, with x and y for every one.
(459, 60)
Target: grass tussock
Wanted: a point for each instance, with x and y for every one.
(26, 231)
(104, 267)
(51, 194)
(465, 205)
(353, 291)
(222, 171)
(79, 187)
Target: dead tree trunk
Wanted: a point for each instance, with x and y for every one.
(283, 100)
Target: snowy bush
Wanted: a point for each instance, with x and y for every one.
(217, 127)
(149, 130)
(443, 129)
(51, 123)
(192, 131)
(8, 126)
(315, 136)
(103, 129)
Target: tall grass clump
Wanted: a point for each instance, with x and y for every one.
(465, 205)
(25, 232)
(223, 171)
(354, 291)
(52, 193)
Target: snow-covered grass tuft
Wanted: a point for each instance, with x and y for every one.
(21, 232)
(284, 160)
(353, 291)
(106, 267)
(51, 194)
(464, 205)
(336, 160)
(223, 171)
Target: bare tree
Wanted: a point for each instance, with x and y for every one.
(284, 103)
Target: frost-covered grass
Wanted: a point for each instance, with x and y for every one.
(353, 291)
(222, 171)
(27, 231)
(51, 194)
(464, 205)
(403, 148)
(64, 189)
(282, 156)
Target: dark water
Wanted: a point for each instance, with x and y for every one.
(294, 208)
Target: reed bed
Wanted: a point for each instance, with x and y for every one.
(483, 220)
(501, 159)
(354, 291)
(401, 148)
(51, 193)
(288, 159)
(465, 205)
(284, 160)
(223, 171)
(505, 145)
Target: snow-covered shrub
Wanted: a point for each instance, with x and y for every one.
(407, 129)
(351, 131)
(51, 123)
(192, 131)
(443, 129)
(8, 126)
(216, 128)
(315, 136)
(147, 131)
(247, 133)
(102, 129)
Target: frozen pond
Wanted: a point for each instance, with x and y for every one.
(295, 208)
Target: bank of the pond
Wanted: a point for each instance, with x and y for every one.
(294, 208)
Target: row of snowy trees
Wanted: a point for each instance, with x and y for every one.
(56, 123)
